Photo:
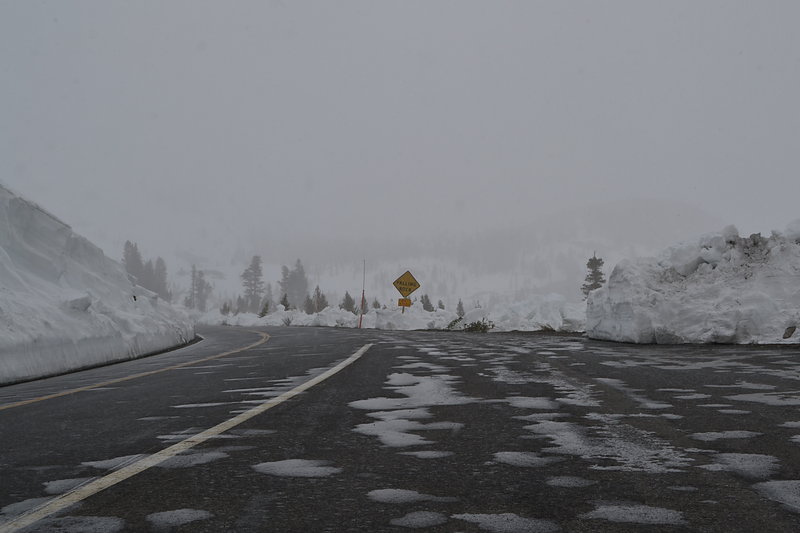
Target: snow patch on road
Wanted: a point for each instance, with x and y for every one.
(297, 468)
(508, 523)
(635, 514)
(749, 465)
(419, 519)
(405, 496)
(169, 519)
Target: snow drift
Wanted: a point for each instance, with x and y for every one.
(64, 305)
(721, 289)
(551, 312)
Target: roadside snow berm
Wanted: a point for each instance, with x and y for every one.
(64, 305)
(724, 288)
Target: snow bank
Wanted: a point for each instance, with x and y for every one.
(721, 289)
(550, 312)
(64, 305)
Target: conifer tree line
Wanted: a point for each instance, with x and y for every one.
(151, 275)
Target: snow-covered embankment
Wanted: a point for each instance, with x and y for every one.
(721, 289)
(64, 305)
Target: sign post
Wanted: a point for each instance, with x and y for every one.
(405, 285)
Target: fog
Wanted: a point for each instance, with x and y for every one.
(479, 138)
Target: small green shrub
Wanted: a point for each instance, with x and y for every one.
(452, 325)
(479, 326)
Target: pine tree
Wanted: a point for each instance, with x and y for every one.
(460, 308)
(348, 304)
(285, 302)
(308, 305)
(253, 283)
(160, 281)
(319, 300)
(426, 303)
(594, 278)
(294, 283)
(132, 260)
(441, 305)
(264, 310)
(376, 304)
(225, 309)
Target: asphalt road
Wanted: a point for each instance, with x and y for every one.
(429, 430)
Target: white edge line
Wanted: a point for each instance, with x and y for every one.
(93, 487)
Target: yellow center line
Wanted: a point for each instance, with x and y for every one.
(264, 338)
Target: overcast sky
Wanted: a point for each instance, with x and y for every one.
(160, 121)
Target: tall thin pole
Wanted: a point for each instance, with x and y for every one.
(363, 294)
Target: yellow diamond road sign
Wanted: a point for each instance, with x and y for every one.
(406, 284)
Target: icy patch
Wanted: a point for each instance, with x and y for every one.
(696, 396)
(419, 519)
(744, 385)
(786, 493)
(114, 464)
(570, 482)
(396, 432)
(633, 394)
(428, 454)
(404, 496)
(297, 468)
(717, 435)
(775, 399)
(748, 465)
(82, 524)
(636, 514)
(192, 459)
(524, 459)
(508, 523)
(16, 509)
(169, 519)
(420, 391)
(524, 402)
(633, 449)
(61, 486)
(733, 412)
(793, 425)
(198, 405)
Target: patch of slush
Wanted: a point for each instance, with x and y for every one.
(635, 514)
(786, 493)
(114, 464)
(16, 509)
(61, 486)
(419, 519)
(192, 459)
(198, 405)
(169, 519)
(574, 392)
(395, 432)
(696, 396)
(419, 391)
(535, 417)
(744, 385)
(734, 412)
(633, 394)
(525, 459)
(775, 399)
(297, 468)
(717, 435)
(793, 425)
(633, 449)
(155, 418)
(570, 482)
(404, 496)
(82, 524)
(750, 465)
(524, 402)
(508, 523)
(428, 454)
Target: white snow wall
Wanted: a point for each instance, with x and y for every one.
(64, 305)
(722, 288)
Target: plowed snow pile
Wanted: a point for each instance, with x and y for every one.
(64, 305)
(722, 289)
